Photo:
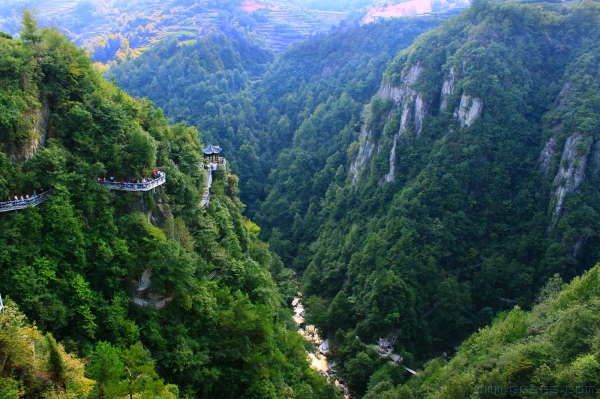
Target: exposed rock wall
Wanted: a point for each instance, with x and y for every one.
(389, 177)
(39, 118)
(407, 98)
(420, 111)
(580, 155)
(364, 152)
(412, 106)
(571, 172)
(399, 93)
(447, 89)
(596, 157)
(156, 213)
(547, 154)
(469, 110)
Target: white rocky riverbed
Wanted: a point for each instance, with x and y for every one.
(318, 359)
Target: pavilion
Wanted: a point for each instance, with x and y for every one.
(212, 152)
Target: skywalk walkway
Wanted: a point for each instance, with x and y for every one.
(138, 186)
(153, 300)
(156, 304)
(15, 205)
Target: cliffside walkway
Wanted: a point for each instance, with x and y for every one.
(126, 186)
(151, 299)
(155, 301)
(15, 205)
(206, 196)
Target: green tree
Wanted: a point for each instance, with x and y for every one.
(30, 32)
(142, 152)
(108, 370)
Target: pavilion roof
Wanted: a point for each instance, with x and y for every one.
(212, 149)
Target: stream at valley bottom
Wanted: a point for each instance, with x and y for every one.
(318, 360)
(385, 348)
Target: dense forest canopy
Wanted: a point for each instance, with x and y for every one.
(206, 84)
(474, 180)
(424, 178)
(422, 209)
(72, 264)
(253, 115)
(551, 351)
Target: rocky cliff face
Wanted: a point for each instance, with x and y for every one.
(407, 98)
(580, 155)
(152, 204)
(410, 101)
(458, 90)
(364, 152)
(39, 118)
(570, 173)
(447, 88)
(469, 110)
(412, 106)
(545, 159)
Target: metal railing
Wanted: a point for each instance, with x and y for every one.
(15, 205)
(126, 186)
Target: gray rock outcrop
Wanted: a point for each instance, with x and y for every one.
(414, 109)
(447, 89)
(39, 118)
(469, 110)
(545, 159)
(364, 152)
(571, 172)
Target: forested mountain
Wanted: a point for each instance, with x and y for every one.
(72, 263)
(474, 179)
(420, 200)
(206, 84)
(423, 177)
(121, 29)
(551, 351)
(216, 85)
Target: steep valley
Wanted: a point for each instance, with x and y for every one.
(431, 183)
(423, 202)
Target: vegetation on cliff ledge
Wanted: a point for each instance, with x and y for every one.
(72, 264)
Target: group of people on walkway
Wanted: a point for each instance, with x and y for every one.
(19, 199)
(217, 161)
(135, 180)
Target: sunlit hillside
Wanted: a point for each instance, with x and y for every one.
(403, 8)
(119, 29)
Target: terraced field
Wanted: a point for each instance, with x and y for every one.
(286, 23)
(118, 29)
(111, 29)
